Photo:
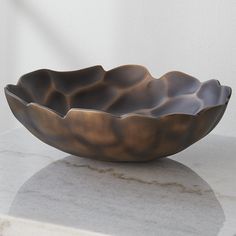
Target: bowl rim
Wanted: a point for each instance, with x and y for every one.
(121, 117)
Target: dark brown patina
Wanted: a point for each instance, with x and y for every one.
(119, 115)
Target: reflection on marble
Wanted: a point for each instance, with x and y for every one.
(156, 198)
(21, 156)
(166, 197)
(214, 159)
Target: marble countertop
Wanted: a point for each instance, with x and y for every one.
(191, 193)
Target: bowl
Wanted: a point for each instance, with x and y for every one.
(123, 114)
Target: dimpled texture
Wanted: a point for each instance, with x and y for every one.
(119, 115)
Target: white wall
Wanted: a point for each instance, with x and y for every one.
(197, 37)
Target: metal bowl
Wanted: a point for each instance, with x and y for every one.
(123, 114)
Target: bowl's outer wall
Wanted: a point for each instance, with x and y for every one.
(100, 135)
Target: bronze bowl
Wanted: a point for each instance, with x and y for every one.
(123, 114)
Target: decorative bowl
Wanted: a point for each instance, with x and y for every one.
(123, 114)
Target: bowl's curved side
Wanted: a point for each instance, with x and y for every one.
(99, 135)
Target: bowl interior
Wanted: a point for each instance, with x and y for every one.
(126, 89)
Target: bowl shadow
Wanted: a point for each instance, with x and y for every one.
(161, 197)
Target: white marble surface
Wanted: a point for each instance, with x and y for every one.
(191, 193)
(12, 226)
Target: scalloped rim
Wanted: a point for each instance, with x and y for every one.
(128, 115)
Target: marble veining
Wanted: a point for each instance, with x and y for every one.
(122, 176)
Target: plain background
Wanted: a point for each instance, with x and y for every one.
(197, 37)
